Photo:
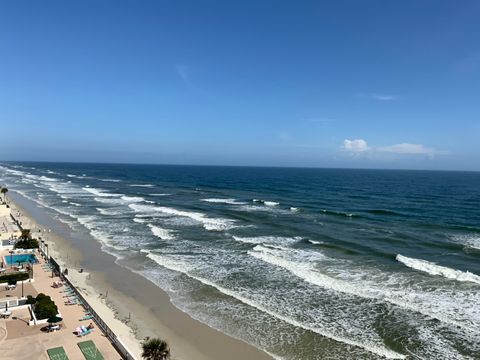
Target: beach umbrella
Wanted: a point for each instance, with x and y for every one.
(54, 319)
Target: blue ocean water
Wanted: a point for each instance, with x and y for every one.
(303, 263)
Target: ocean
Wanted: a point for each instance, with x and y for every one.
(303, 263)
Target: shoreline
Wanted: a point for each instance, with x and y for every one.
(129, 303)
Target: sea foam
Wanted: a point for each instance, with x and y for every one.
(224, 201)
(161, 233)
(100, 192)
(274, 240)
(438, 305)
(213, 224)
(434, 269)
(468, 241)
(374, 348)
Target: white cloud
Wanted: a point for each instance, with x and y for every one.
(406, 148)
(361, 146)
(357, 145)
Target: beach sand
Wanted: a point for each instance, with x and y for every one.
(132, 306)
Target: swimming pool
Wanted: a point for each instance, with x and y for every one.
(16, 259)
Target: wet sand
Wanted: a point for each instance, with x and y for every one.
(151, 311)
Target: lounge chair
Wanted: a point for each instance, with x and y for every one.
(86, 317)
(83, 333)
(57, 353)
(90, 351)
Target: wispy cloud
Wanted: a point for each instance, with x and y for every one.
(469, 64)
(183, 72)
(284, 136)
(407, 148)
(320, 120)
(379, 96)
(384, 97)
(361, 146)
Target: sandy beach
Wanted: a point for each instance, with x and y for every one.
(130, 304)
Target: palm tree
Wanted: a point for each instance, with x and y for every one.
(155, 349)
(26, 234)
(4, 192)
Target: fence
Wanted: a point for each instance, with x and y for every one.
(116, 342)
(9, 302)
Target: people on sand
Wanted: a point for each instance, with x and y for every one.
(90, 326)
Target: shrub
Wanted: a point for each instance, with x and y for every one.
(42, 297)
(13, 277)
(30, 300)
(44, 307)
(27, 243)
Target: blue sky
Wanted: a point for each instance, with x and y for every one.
(377, 84)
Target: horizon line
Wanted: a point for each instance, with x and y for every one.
(234, 166)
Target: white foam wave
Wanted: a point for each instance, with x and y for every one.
(132, 198)
(142, 185)
(224, 201)
(434, 269)
(161, 233)
(100, 192)
(66, 222)
(108, 240)
(109, 200)
(75, 204)
(371, 347)
(139, 220)
(303, 265)
(271, 203)
(266, 202)
(160, 194)
(75, 176)
(263, 208)
(213, 224)
(316, 242)
(274, 240)
(469, 241)
(12, 171)
(109, 212)
(303, 270)
(110, 180)
(295, 209)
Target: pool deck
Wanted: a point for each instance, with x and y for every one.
(20, 341)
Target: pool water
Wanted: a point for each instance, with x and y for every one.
(20, 259)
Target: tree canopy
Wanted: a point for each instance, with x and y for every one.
(155, 349)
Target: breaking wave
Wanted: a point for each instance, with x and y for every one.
(214, 224)
(438, 270)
